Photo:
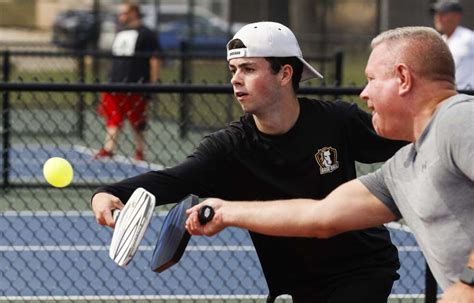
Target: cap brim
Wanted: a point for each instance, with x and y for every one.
(309, 72)
(446, 8)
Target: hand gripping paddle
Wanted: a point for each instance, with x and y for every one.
(174, 237)
(130, 225)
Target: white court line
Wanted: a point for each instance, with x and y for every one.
(117, 158)
(66, 248)
(168, 297)
(405, 228)
(398, 226)
(151, 297)
(60, 213)
(409, 248)
(88, 151)
(85, 213)
(392, 225)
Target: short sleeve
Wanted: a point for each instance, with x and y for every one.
(150, 43)
(455, 137)
(375, 183)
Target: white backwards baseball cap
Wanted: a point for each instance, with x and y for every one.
(270, 39)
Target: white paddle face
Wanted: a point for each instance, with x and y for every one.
(131, 224)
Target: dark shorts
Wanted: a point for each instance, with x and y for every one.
(115, 107)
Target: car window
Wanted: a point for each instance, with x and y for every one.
(200, 28)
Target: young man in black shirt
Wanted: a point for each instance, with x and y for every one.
(134, 49)
(283, 147)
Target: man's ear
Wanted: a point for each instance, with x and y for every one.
(404, 78)
(286, 74)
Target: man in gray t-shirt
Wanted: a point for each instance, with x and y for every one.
(430, 183)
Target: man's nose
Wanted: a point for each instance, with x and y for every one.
(236, 79)
(363, 95)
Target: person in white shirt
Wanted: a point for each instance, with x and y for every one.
(447, 19)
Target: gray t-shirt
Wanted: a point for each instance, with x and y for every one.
(430, 183)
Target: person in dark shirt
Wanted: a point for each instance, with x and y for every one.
(134, 49)
(283, 147)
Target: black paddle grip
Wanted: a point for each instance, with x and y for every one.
(206, 213)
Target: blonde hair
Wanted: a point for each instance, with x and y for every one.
(422, 49)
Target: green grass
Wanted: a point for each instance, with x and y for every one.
(354, 66)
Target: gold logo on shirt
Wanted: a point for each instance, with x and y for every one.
(327, 160)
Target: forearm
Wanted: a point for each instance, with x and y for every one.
(349, 207)
(169, 185)
(297, 217)
(166, 188)
(155, 65)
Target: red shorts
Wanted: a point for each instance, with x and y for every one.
(115, 107)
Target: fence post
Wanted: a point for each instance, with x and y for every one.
(6, 125)
(81, 103)
(339, 61)
(431, 288)
(184, 99)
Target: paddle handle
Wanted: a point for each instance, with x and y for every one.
(206, 213)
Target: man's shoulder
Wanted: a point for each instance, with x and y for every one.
(456, 107)
(230, 136)
(459, 99)
(453, 118)
(144, 28)
(464, 30)
(463, 34)
(401, 156)
(233, 129)
(336, 106)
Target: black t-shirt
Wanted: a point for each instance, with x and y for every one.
(309, 161)
(132, 49)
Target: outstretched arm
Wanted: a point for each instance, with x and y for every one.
(349, 207)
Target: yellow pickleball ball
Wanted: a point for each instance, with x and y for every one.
(58, 172)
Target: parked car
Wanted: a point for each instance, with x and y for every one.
(75, 29)
(79, 29)
(204, 37)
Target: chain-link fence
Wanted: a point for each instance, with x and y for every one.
(51, 248)
(185, 65)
